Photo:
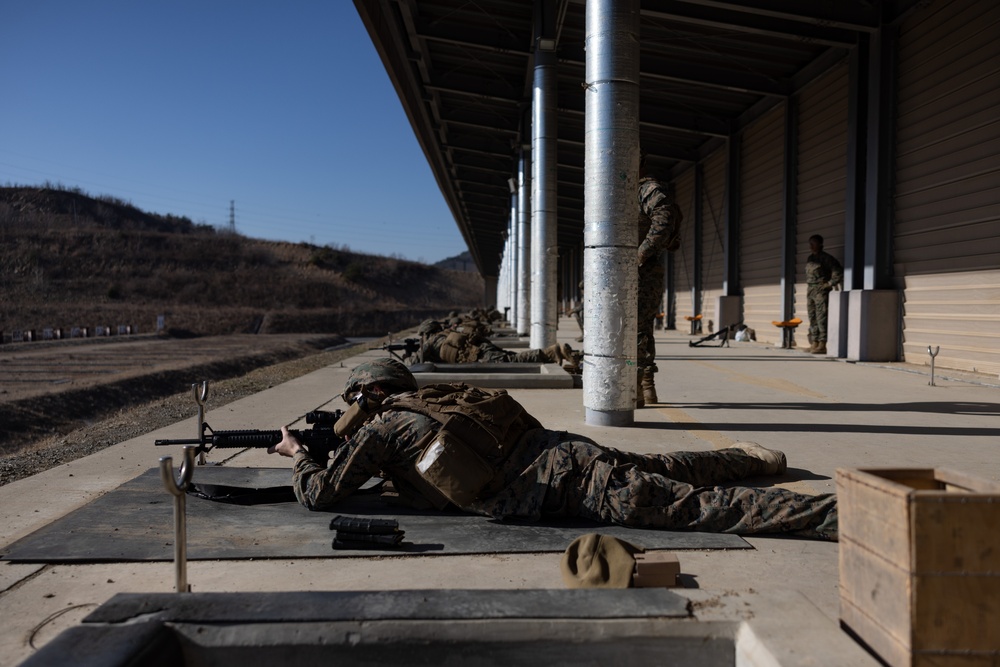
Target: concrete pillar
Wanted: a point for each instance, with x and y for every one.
(544, 214)
(611, 212)
(522, 323)
(873, 318)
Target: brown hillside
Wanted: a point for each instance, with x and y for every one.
(68, 260)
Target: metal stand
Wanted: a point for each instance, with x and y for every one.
(200, 395)
(933, 354)
(178, 489)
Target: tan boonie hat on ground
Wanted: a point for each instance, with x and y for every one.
(599, 561)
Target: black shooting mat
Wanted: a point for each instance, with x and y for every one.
(135, 522)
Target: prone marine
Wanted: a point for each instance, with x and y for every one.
(480, 451)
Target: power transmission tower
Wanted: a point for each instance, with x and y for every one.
(232, 216)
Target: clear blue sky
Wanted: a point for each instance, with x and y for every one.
(179, 107)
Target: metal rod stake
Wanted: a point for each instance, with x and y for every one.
(200, 395)
(178, 489)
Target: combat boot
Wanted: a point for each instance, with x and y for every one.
(819, 347)
(554, 354)
(773, 460)
(648, 388)
(573, 359)
(639, 402)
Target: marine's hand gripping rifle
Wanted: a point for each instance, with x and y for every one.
(319, 440)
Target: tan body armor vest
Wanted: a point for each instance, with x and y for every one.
(456, 349)
(479, 429)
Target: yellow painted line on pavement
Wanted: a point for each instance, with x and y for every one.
(714, 438)
(768, 382)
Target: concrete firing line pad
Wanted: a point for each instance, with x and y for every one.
(450, 604)
(390, 627)
(135, 523)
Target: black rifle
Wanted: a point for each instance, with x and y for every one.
(409, 347)
(722, 334)
(319, 440)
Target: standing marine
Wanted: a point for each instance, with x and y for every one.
(823, 274)
(659, 232)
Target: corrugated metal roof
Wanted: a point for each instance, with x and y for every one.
(464, 69)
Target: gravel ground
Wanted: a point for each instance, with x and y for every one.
(142, 418)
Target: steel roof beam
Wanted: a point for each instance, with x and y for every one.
(856, 16)
(751, 23)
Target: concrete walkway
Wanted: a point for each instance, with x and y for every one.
(823, 413)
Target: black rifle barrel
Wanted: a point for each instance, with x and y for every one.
(232, 439)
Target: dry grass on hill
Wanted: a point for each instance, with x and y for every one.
(70, 260)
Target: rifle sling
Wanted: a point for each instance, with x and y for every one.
(238, 495)
(241, 495)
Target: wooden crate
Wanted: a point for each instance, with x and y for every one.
(920, 565)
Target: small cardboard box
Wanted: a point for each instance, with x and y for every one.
(654, 570)
(920, 565)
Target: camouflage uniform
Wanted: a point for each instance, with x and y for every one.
(490, 353)
(659, 230)
(577, 313)
(483, 351)
(823, 272)
(430, 349)
(558, 474)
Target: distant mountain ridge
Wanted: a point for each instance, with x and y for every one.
(461, 262)
(69, 259)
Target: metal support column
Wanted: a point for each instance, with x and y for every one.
(611, 273)
(880, 158)
(522, 320)
(544, 141)
(790, 188)
(730, 253)
(698, 230)
(512, 243)
(854, 207)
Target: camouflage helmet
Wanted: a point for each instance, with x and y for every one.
(428, 327)
(386, 372)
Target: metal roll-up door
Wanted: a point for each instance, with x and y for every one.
(683, 275)
(713, 211)
(946, 234)
(822, 175)
(762, 161)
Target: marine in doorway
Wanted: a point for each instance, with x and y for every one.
(823, 274)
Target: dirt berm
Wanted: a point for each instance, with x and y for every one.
(61, 402)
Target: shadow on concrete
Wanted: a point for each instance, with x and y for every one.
(814, 427)
(738, 357)
(936, 407)
(801, 475)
